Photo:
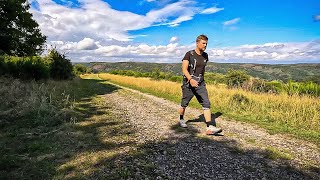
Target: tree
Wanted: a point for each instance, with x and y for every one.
(19, 33)
(60, 66)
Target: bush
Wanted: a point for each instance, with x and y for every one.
(79, 69)
(176, 78)
(309, 88)
(215, 78)
(24, 67)
(276, 86)
(60, 67)
(235, 78)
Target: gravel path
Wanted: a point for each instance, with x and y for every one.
(242, 151)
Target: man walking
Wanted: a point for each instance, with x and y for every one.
(193, 68)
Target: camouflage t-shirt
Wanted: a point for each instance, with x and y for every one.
(201, 62)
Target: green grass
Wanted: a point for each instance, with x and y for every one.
(66, 130)
(293, 126)
(275, 154)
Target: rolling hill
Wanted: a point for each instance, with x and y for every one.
(284, 72)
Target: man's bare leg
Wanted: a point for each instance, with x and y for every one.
(207, 115)
(211, 129)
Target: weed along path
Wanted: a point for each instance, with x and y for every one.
(242, 151)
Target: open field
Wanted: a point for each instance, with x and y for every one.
(295, 115)
(91, 129)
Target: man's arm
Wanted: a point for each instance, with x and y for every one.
(185, 64)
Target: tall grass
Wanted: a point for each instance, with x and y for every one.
(32, 104)
(293, 114)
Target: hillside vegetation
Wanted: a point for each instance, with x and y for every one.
(283, 72)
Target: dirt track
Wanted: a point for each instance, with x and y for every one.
(242, 151)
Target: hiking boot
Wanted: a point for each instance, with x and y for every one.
(211, 130)
(182, 123)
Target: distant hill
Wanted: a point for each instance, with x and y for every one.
(284, 72)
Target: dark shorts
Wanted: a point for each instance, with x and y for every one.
(200, 92)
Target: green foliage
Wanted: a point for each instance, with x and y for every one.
(60, 67)
(236, 78)
(215, 78)
(260, 85)
(291, 87)
(277, 86)
(79, 69)
(314, 79)
(310, 88)
(267, 72)
(54, 66)
(19, 33)
(24, 67)
(176, 78)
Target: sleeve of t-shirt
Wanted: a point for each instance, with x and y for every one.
(206, 56)
(186, 56)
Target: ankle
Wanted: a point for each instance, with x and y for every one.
(208, 123)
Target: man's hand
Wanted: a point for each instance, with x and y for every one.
(194, 83)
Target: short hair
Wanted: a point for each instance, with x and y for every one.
(202, 37)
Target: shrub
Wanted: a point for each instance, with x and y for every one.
(176, 78)
(236, 78)
(60, 67)
(309, 88)
(24, 67)
(79, 69)
(276, 86)
(215, 78)
(291, 87)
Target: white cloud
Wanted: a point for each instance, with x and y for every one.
(179, 12)
(211, 10)
(231, 22)
(93, 31)
(174, 39)
(95, 19)
(269, 53)
(173, 52)
(87, 44)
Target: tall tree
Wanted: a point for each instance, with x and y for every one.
(19, 33)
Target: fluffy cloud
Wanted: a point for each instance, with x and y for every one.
(174, 39)
(97, 20)
(87, 44)
(269, 53)
(173, 52)
(93, 31)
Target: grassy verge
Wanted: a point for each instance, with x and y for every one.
(65, 130)
(293, 115)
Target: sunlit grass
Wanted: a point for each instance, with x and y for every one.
(296, 115)
(65, 130)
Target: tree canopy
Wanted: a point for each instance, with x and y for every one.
(19, 33)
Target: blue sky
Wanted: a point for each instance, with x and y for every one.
(246, 31)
